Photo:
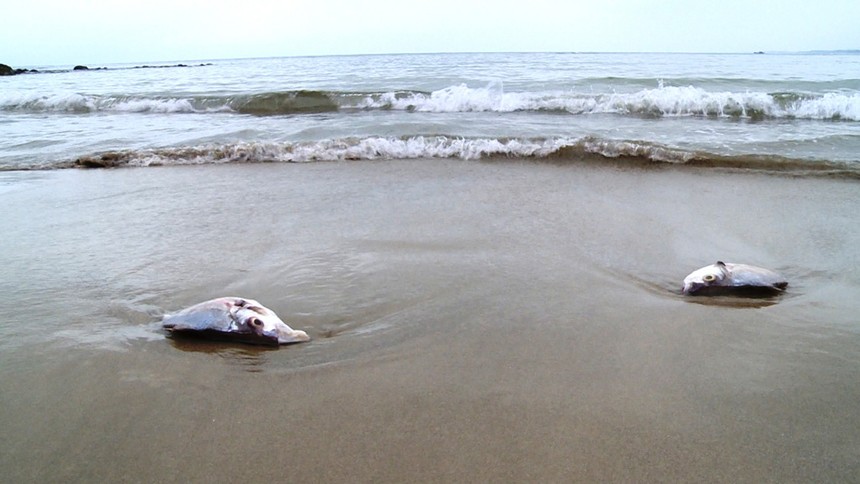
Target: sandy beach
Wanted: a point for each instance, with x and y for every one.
(495, 321)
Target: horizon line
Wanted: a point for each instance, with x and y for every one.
(573, 52)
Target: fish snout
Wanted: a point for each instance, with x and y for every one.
(692, 287)
(274, 328)
(290, 335)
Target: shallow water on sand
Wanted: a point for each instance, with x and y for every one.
(470, 321)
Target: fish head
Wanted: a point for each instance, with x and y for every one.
(713, 275)
(252, 317)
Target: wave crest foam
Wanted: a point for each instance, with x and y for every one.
(657, 102)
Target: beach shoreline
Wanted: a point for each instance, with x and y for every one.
(504, 320)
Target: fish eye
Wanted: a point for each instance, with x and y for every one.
(709, 278)
(255, 322)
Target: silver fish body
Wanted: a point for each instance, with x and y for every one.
(233, 319)
(729, 278)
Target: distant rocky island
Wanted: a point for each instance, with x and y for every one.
(6, 70)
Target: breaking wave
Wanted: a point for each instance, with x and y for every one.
(428, 147)
(293, 102)
(657, 102)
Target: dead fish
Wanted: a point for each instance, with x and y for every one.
(233, 319)
(727, 278)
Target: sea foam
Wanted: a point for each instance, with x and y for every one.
(661, 101)
(584, 149)
(374, 148)
(70, 102)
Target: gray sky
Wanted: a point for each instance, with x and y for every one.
(93, 32)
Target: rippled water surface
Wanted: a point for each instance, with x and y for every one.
(497, 320)
(785, 112)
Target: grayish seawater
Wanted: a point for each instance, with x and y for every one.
(795, 112)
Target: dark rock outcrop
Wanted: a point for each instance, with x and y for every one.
(8, 71)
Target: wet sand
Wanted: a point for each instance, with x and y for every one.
(472, 321)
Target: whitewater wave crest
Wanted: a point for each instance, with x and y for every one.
(657, 102)
(86, 103)
(661, 101)
(585, 149)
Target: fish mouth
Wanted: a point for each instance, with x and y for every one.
(692, 288)
(289, 337)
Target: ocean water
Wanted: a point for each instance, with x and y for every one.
(486, 249)
(792, 112)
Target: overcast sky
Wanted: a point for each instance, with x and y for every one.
(93, 32)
